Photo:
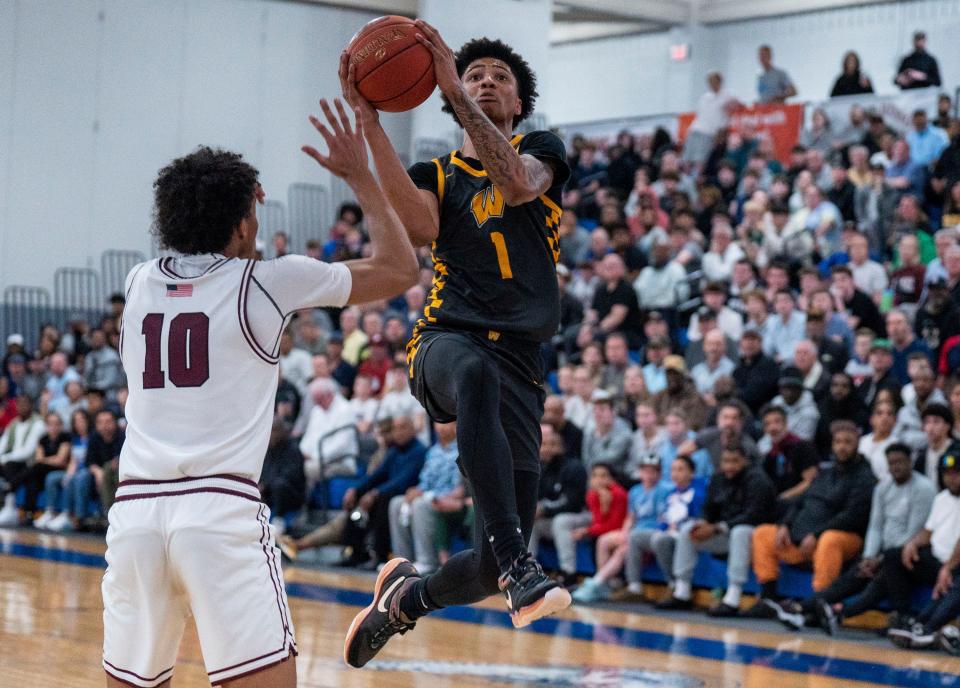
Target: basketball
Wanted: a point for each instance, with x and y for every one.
(393, 71)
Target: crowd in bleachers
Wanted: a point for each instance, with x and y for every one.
(757, 360)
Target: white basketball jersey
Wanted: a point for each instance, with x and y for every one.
(200, 345)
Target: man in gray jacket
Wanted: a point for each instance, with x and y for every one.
(607, 437)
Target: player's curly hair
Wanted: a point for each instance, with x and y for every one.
(200, 198)
(526, 79)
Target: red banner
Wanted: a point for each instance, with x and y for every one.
(782, 123)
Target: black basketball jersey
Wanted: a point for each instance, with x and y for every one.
(494, 265)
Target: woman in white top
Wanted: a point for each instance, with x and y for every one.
(874, 446)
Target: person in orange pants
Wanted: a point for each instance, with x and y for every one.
(825, 525)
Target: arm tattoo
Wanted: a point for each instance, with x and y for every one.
(503, 164)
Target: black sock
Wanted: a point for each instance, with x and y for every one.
(417, 602)
(506, 541)
(768, 590)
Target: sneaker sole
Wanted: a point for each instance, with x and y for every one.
(365, 612)
(556, 599)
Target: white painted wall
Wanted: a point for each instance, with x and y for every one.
(97, 95)
(632, 76)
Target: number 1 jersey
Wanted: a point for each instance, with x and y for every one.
(200, 347)
(494, 264)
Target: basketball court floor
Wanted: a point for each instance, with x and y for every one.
(50, 635)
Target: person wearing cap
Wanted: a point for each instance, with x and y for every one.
(561, 506)
(942, 528)
(831, 353)
(654, 374)
(899, 507)
(646, 505)
(680, 393)
(15, 347)
(728, 320)
(607, 438)
(881, 363)
(784, 328)
(919, 69)
(931, 557)
(824, 525)
(938, 427)
(739, 497)
(756, 373)
(801, 409)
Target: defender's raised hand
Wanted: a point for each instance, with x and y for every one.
(444, 61)
(347, 150)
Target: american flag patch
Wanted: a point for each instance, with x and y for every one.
(180, 290)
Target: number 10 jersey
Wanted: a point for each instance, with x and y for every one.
(200, 347)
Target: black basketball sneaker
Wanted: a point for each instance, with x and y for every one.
(530, 593)
(373, 627)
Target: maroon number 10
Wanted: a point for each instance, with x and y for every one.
(188, 353)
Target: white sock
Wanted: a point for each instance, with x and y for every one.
(682, 590)
(732, 598)
(635, 588)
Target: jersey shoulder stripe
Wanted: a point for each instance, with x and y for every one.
(242, 296)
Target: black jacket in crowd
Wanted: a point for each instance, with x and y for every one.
(832, 355)
(563, 487)
(756, 381)
(837, 499)
(747, 499)
(282, 481)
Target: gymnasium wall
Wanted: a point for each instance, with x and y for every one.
(96, 95)
(633, 75)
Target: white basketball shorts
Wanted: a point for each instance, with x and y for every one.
(200, 546)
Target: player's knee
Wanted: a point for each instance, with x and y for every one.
(474, 371)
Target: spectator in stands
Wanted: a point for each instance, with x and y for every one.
(713, 112)
(102, 367)
(648, 438)
(906, 280)
(951, 208)
(798, 402)
(903, 173)
(283, 485)
(617, 354)
(825, 524)
(904, 344)
(859, 310)
(874, 206)
(819, 135)
(739, 497)
(607, 438)
(873, 446)
(919, 69)
(656, 352)
(790, 461)
(681, 441)
(280, 244)
(756, 373)
(926, 141)
(842, 194)
(842, 403)
(730, 429)
(831, 351)
(614, 306)
(723, 253)
(784, 328)
(816, 379)
(18, 447)
(881, 363)
(61, 372)
(412, 515)
(634, 393)
(938, 318)
(928, 558)
(578, 409)
(938, 423)
(680, 393)
(377, 362)
(296, 366)
(75, 488)
(773, 85)
(69, 402)
(329, 442)
(899, 507)
(364, 405)
(714, 365)
(706, 323)
(354, 339)
(869, 276)
(51, 456)
(851, 80)
(570, 434)
(8, 404)
(103, 456)
(662, 285)
(371, 498)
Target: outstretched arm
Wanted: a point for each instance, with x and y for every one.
(520, 178)
(419, 210)
(392, 268)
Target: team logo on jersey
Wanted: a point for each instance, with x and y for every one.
(486, 204)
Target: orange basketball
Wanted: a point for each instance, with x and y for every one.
(392, 69)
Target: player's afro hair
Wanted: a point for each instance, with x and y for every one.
(200, 198)
(526, 79)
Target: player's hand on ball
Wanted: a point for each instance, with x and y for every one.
(444, 62)
(365, 112)
(347, 156)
